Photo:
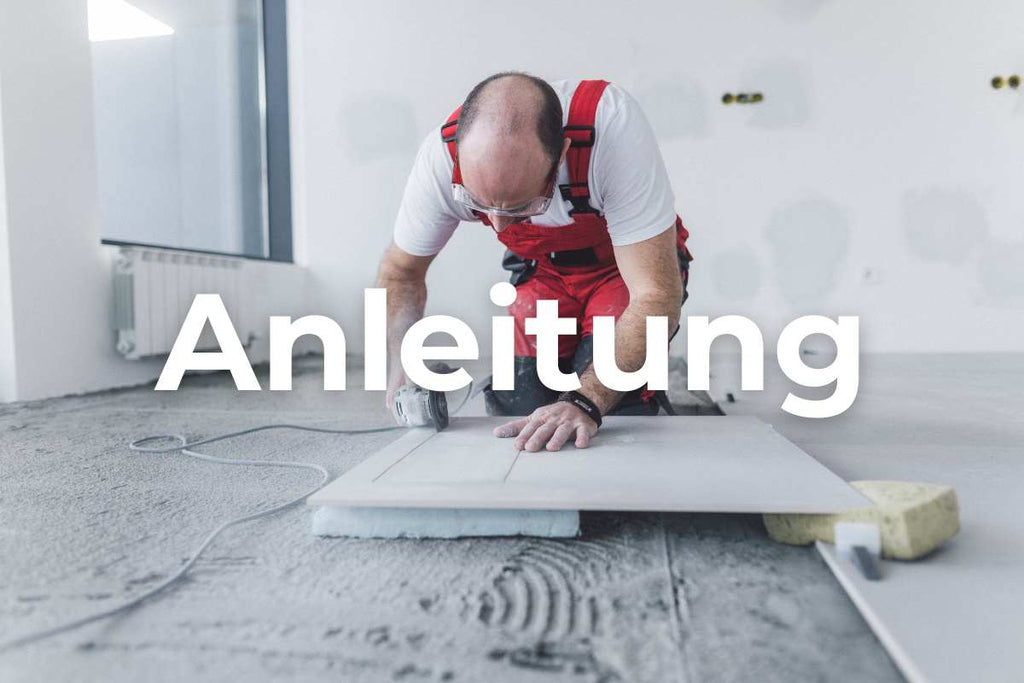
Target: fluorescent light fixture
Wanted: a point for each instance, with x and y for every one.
(118, 20)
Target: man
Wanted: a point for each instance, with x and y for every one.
(569, 177)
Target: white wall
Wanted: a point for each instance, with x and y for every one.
(7, 367)
(59, 276)
(55, 263)
(880, 145)
(880, 177)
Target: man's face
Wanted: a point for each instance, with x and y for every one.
(504, 173)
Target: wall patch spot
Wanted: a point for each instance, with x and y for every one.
(794, 10)
(736, 273)
(1001, 271)
(943, 224)
(809, 240)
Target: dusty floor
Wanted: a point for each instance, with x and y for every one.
(85, 523)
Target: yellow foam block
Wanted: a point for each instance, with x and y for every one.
(914, 518)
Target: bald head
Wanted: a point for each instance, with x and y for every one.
(514, 105)
(509, 139)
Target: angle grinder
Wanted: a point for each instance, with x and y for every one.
(417, 407)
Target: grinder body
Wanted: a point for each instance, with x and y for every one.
(417, 407)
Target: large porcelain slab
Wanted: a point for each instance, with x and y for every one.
(703, 464)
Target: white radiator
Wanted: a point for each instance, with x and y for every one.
(153, 290)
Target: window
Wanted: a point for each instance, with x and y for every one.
(191, 116)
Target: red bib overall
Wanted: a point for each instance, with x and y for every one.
(573, 264)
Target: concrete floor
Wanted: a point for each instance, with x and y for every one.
(85, 524)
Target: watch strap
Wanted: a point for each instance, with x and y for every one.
(584, 404)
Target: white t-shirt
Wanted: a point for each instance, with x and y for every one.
(628, 182)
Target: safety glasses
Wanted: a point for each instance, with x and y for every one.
(535, 207)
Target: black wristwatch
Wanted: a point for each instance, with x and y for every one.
(584, 404)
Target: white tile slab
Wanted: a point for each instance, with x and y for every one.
(698, 464)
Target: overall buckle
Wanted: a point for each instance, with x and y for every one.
(581, 136)
(578, 194)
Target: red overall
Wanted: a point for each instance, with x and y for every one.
(582, 291)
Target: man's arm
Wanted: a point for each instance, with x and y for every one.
(404, 277)
(650, 270)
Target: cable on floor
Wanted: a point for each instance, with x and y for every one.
(185, 448)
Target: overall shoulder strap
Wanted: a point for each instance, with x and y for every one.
(580, 130)
(448, 131)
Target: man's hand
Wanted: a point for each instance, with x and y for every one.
(550, 426)
(396, 380)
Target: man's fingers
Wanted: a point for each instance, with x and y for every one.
(551, 427)
(540, 437)
(510, 429)
(560, 436)
(527, 431)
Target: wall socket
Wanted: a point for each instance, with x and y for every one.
(743, 98)
(998, 82)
